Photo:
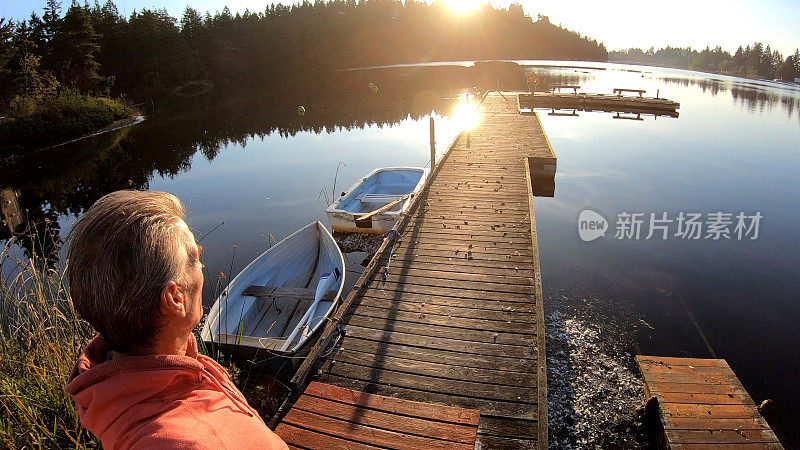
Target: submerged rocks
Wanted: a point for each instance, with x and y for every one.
(593, 391)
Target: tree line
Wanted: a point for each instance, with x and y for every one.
(95, 49)
(752, 61)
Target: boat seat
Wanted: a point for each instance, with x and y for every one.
(274, 292)
(251, 341)
(379, 198)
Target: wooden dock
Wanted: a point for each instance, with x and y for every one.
(600, 102)
(702, 405)
(457, 319)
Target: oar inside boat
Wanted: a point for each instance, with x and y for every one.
(327, 282)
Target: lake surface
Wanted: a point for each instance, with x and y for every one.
(249, 159)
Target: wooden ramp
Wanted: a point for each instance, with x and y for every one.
(703, 405)
(456, 319)
(327, 417)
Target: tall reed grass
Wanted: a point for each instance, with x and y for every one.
(41, 336)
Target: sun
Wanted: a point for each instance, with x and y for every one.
(464, 115)
(464, 6)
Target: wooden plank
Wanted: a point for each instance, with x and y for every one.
(468, 287)
(498, 242)
(485, 234)
(503, 443)
(422, 382)
(459, 311)
(298, 437)
(467, 323)
(432, 369)
(694, 423)
(717, 446)
(499, 408)
(514, 260)
(404, 258)
(461, 269)
(365, 434)
(493, 304)
(450, 357)
(720, 436)
(451, 291)
(479, 250)
(675, 361)
(700, 399)
(696, 388)
(283, 292)
(507, 427)
(362, 399)
(707, 411)
(541, 363)
(441, 343)
(434, 330)
(445, 431)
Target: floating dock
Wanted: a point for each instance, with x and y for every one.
(450, 312)
(702, 405)
(599, 102)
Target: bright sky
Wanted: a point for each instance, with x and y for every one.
(617, 23)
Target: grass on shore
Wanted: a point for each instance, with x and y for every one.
(40, 339)
(33, 124)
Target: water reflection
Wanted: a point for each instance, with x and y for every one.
(752, 95)
(66, 180)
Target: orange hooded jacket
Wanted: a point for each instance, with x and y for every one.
(163, 401)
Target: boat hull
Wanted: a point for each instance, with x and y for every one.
(257, 326)
(374, 190)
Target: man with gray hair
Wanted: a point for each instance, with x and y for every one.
(135, 275)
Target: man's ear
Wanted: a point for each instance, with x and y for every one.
(172, 301)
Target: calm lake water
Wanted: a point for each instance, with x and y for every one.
(249, 159)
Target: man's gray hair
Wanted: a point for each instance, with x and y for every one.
(122, 253)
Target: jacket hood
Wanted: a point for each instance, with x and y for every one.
(105, 387)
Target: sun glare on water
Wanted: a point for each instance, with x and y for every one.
(463, 6)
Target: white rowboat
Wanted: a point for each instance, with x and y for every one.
(376, 189)
(276, 304)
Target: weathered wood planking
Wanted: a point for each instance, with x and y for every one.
(327, 416)
(702, 404)
(456, 317)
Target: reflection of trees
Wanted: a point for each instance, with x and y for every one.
(749, 94)
(69, 179)
(548, 78)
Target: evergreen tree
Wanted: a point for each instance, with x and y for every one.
(51, 18)
(73, 49)
(7, 54)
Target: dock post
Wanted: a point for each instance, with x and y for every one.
(433, 147)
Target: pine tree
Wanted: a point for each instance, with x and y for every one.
(73, 49)
(51, 18)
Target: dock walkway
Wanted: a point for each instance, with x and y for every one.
(458, 319)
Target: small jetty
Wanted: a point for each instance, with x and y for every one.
(702, 404)
(634, 104)
(449, 310)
